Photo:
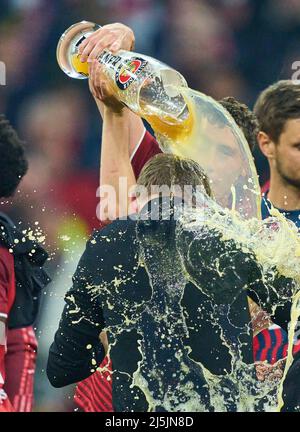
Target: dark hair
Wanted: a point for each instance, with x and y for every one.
(244, 118)
(276, 105)
(166, 169)
(13, 164)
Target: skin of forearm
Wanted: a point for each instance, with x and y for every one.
(104, 340)
(136, 125)
(115, 157)
(137, 131)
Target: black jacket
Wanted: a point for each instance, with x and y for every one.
(134, 270)
(31, 278)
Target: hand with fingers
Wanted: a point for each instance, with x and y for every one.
(268, 372)
(100, 89)
(111, 37)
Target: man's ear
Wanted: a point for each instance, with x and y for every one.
(266, 145)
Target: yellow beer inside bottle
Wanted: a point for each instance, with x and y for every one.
(170, 127)
(175, 131)
(79, 67)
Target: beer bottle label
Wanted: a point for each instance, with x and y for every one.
(126, 71)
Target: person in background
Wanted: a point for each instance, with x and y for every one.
(13, 168)
(21, 281)
(278, 112)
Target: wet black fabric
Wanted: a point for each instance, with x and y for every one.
(31, 278)
(116, 251)
(291, 387)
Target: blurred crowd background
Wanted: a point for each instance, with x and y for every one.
(222, 47)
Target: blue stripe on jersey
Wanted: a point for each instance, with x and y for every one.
(262, 344)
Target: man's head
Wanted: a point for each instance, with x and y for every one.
(169, 174)
(13, 164)
(278, 113)
(223, 155)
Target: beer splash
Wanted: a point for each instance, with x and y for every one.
(206, 133)
(166, 375)
(267, 240)
(199, 136)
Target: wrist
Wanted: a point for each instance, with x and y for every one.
(112, 112)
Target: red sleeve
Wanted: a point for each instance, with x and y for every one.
(145, 151)
(7, 281)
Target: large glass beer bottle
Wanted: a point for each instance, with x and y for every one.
(186, 122)
(147, 86)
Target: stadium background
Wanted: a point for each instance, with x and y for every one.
(222, 47)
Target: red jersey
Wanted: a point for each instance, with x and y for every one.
(147, 148)
(7, 297)
(94, 394)
(20, 364)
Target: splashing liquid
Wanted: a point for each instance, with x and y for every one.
(267, 240)
(208, 136)
(167, 375)
(206, 133)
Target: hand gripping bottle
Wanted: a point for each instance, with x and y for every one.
(148, 87)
